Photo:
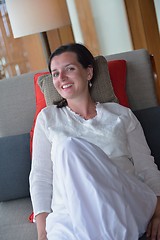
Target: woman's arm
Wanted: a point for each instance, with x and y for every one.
(41, 226)
(41, 174)
(145, 168)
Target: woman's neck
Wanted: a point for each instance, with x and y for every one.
(85, 108)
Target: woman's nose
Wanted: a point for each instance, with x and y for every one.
(62, 76)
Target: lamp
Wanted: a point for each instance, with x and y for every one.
(37, 16)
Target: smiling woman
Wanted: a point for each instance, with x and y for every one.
(91, 162)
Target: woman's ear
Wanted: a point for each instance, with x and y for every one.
(90, 73)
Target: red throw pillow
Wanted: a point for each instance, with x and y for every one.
(117, 71)
(40, 103)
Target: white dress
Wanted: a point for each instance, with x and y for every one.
(92, 175)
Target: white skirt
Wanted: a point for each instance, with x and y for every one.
(95, 200)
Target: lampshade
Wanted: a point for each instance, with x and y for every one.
(34, 16)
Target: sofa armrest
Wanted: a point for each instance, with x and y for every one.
(149, 119)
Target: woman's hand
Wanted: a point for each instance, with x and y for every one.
(153, 229)
(42, 237)
(41, 226)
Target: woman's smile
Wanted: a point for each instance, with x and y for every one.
(67, 86)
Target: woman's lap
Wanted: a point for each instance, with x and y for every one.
(101, 200)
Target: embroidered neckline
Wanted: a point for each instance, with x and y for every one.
(80, 118)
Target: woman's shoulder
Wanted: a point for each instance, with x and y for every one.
(49, 112)
(50, 108)
(115, 108)
(124, 114)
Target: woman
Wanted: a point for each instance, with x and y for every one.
(92, 174)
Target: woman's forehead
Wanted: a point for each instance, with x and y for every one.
(64, 59)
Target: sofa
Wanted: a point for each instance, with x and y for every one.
(18, 107)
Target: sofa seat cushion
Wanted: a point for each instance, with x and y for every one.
(150, 119)
(14, 224)
(15, 164)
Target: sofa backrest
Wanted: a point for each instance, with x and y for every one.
(17, 97)
(17, 105)
(140, 84)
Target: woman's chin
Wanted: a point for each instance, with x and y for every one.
(67, 95)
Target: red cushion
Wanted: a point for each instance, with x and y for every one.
(40, 103)
(118, 70)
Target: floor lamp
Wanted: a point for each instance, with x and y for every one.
(37, 16)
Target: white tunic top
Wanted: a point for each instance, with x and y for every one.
(114, 129)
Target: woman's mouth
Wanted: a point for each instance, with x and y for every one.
(66, 86)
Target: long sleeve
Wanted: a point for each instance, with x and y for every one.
(41, 172)
(145, 168)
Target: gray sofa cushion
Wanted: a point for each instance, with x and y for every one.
(150, 121)
(13, 221)
(17, 105)
(140, 83)
(15, 164)
(14, 224)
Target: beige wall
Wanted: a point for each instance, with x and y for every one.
(110, 22)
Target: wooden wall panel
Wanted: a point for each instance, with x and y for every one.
(60, 36)
(66, 34)
(32, 46)
(87, 26)
(53, 39)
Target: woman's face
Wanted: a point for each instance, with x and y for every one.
(69, 77)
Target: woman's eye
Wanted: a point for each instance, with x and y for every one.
(70, 69)
(55, 74)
